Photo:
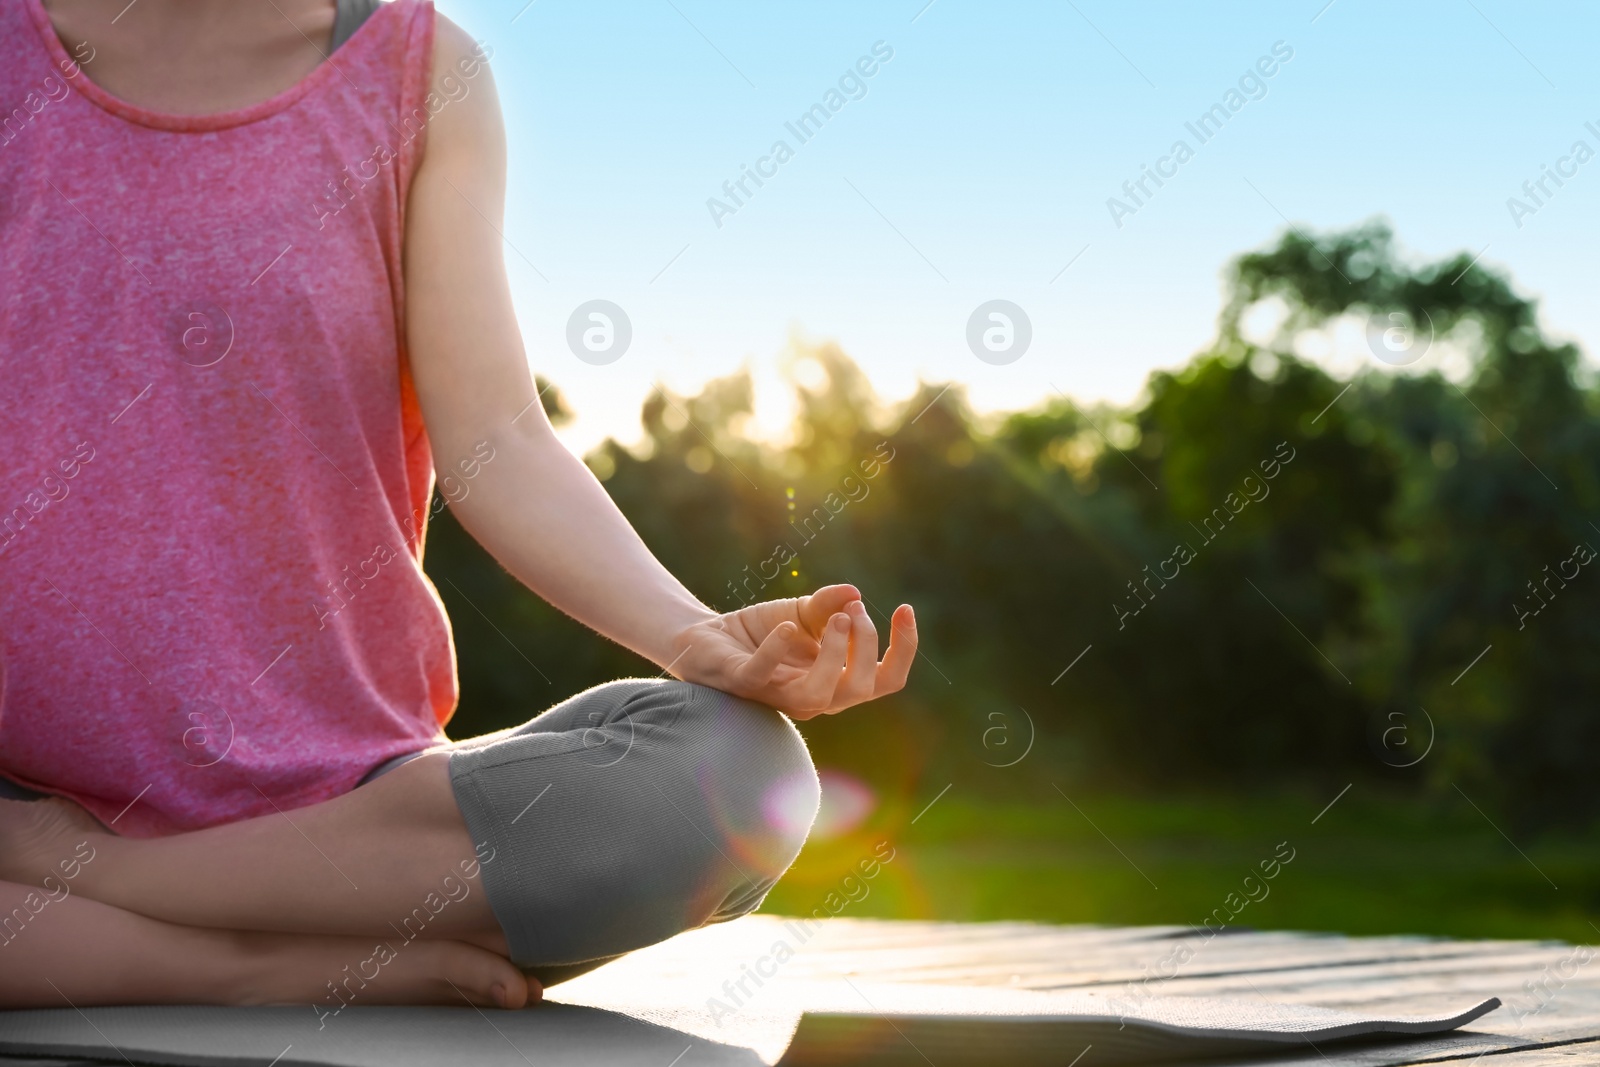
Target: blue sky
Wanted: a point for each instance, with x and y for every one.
(978, 164)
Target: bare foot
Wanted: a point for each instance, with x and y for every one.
(333, 973)
(39, 838)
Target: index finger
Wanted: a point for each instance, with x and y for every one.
(758, 670)
(814, 692)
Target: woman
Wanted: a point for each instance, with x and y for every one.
(254, 300)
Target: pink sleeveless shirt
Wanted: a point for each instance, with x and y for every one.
(214, 479)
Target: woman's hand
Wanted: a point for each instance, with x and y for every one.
(805, 656)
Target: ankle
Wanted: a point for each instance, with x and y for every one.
(262, 968)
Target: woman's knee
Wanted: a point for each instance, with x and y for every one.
(677, 805)
(736, 785)
(755, 777)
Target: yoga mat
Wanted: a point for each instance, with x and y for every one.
(957, 1027)
(552, 1035)
(799, 1024)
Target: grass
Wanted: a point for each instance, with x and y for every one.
(1369, 865)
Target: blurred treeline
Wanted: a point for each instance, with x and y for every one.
(1315, 630)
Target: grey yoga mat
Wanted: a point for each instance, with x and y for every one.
(806, 1023)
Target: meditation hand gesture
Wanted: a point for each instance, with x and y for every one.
(805, 656)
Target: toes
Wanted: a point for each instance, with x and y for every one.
(485, 979)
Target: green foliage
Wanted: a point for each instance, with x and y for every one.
(1255, 574)
(1377, 863)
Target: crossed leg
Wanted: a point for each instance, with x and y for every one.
(667, 824)
(349, 865)
(252, 912)
(79, 952)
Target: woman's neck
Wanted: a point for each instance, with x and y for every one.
(195, 57)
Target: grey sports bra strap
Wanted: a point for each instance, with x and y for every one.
(348, 17)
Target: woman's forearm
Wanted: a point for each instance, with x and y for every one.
(541, 513)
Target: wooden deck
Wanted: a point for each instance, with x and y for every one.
(1551, 991)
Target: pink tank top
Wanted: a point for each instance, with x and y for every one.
(214, 479)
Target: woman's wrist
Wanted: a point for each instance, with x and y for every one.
(677, 628)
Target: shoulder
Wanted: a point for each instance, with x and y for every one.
(462, 104)
(456, 53)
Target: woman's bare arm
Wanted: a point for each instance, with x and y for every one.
(536, 507)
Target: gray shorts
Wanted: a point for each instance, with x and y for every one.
(631, 812)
